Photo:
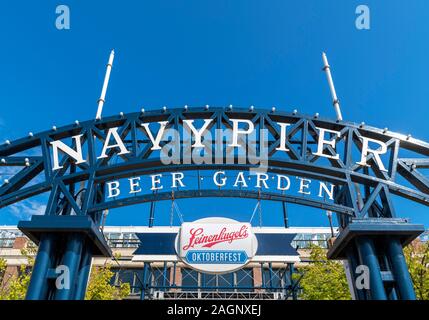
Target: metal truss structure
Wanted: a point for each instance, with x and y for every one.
(219, 295)
(68, 234)
(278, 283)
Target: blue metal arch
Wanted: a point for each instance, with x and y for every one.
(368, 229)
(213, 193)
(343, 172)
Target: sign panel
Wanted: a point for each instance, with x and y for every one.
(216, 245)
(274, 244)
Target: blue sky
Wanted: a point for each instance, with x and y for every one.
(262, 53)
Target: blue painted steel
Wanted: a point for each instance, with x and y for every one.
(156, 244)
(38, 288)
(285, 215)
(203, 288)
(83, 275)
(164, 273)
(143, 289)
(359, 294)
(71, 260)
(174, 273)
(275, 244)
(286, 284)
(393, 295)
(294, 286)
(146, 264)
(263, 285)
(400, 270)
(369, 258)
(223, 193)
(269, 244)
(39, 225)
(383, 227)
(270, 268)
(299, 163)
(342, 172)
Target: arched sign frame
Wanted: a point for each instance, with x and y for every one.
(365, 178)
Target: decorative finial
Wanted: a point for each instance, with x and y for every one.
(335, 101)
(102, 98)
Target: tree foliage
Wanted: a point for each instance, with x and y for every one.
(323, 279)
(3, 266)
(100, 287)
(18, 285)
(14, 287)
(417, 256)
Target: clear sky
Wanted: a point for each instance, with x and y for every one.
(241, 52)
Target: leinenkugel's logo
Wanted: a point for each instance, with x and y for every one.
(216, 245)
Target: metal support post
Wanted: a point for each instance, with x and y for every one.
(84, 273)
(38, 288)
(369, 258)
(400, 271)
(71, 260)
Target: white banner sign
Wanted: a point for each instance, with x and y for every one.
(216, 245)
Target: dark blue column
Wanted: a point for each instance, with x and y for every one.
(145, 271)
(294, 291)
(369, 258)
(351, 258)
(83, 275)
(164, 275)
(71, 259)
(400, 270)
(39, 286)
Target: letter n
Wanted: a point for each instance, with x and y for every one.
(75, 154)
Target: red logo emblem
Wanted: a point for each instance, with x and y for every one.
(207, 241)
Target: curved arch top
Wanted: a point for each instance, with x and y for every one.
(346, 154)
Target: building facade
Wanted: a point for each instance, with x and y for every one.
(166, 278)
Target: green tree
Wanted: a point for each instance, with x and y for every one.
(15, 287)
(18, 284)
(3, 266)
(99, 287)
(417, 256)
(323, 279)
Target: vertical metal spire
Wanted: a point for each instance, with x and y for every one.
(335, 100)
(105, 84)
